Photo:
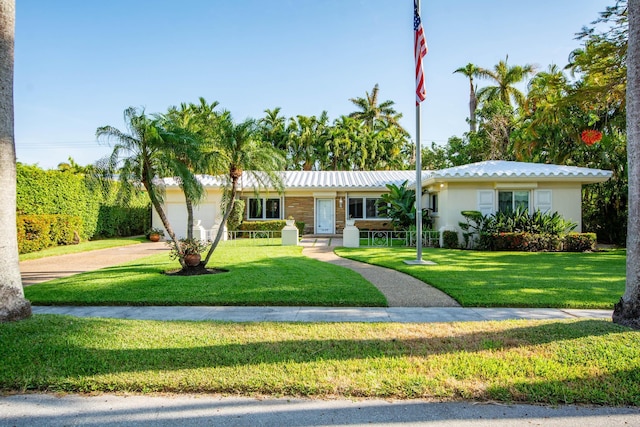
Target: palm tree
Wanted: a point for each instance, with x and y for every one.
(371, 112)
(505, 77)
(627, 311)
(13, 305)
(142, 155)
(240, 150)
(471, 71)
(308, 136)
(189, 127)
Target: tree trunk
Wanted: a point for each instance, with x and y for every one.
(627, 311)
(473, 105)
(228, 210)
(165, 222)
(187, 201)
(13, 305)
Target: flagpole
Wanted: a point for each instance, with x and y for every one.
(420, 47)
(418, 185)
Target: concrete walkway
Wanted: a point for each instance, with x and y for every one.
(401, 290)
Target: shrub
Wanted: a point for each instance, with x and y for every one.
(275, 225)
(580, 242)
(37, 232)
(235, 217)
(450, 239)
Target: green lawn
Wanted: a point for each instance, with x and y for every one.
(511, 279)
(83, 247)
(582, 361)
(258, 275)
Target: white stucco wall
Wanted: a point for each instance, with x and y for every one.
(208, 212)
(454, 198)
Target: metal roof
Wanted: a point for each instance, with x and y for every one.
(377, 180)
(500, 169)
(318, 180)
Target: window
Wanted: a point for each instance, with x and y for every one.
(364, 208)
(264, 208)
(433, 203)
(509, 201)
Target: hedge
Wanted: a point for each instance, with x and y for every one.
(52, 192)
(37, 232)
(275, 225)
(450, 239)
(573, 242)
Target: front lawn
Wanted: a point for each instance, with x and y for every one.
(585, 361)
(258, 275)
(511, 279)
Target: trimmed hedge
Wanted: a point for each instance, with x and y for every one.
(450, 239)
(529, 242)
(275, 225)
(52, 192)
(37, 232)
(580, 242)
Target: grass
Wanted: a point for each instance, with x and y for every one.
(511, 279)
(553, 362)
(83, 247)
(258, 275)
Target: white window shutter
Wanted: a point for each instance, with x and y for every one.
(485, 201)
(542, 200)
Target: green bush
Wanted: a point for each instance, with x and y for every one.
(52, 192)
(525, 242)
(37, 232)
(450, 239)
(235, 218)
(275, 225)
(580, 242)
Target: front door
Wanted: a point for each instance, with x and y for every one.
(325, 214)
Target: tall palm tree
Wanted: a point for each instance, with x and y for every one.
(627, 311)
(240, 149)
(13, 305)
(505, 78)
(308, 136)
(141, 155)
(371, 112)
(471, 71)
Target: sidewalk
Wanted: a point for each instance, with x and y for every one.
(323, 314)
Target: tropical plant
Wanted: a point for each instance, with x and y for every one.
(504, 77)
(187, 247)
(399, 204)
(13, 305)
(470, 71)
(240, 150)
(372, 113)
(144, 153)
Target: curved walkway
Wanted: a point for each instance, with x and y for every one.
(401, 290)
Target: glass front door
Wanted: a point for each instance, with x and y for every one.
(325, 216)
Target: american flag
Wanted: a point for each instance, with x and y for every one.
(420, 47)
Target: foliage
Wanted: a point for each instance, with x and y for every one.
(512, 279)
(399, 205)
(580, 242)
(523, 241)
(63, 193)
(187, 246)
(158, 231)
(450, 239)
(275, 226)
(37, 232)
(236, 216)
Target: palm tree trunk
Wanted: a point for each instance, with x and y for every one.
(189, 217)
(228, 210)
(627, 311)
(473, 105)
(165, 222)
(13, 305)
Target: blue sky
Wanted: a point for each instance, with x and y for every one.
(79, 63)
